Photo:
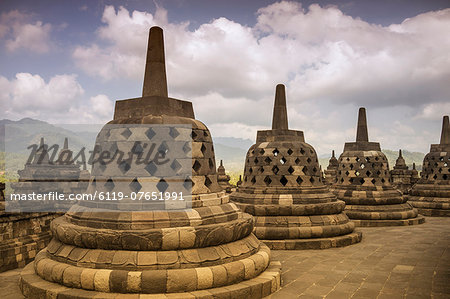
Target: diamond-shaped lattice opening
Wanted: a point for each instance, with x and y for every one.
(445, 176)
(205, 133)
(275, 152)
(383, 180)
(347, 173)
(311, 151)
(275, 169)
(150, 133)
(211, 163)
(162, 185)
(267, 180)
(188, 184)
(250, 170)
(302, 151)
(137, 148)
(376, 159)
(342, 180)
(196, 166)
(289, 151)
(245, 178)
(176, 166)
(363, 166)
(135, 186)
(193, 135)
(174, 132)
(253, 152)
(373, 181)
(314, 169)
(368, 173)
(357, 159)
(109, 185)
(311, 179)
(268, 160)
(357, 173)
(435, 176)
(261, 151)
(378, 172)
(441, 158)
(350, 180)
(151, 168)
(299, 180)
(351, 166)
(208, 182)
(261, 169)
(163, 149)
(256, 160)
(297, 161)
(126, 133)
(94, 182)
(283, 180)
(290, 170)
(362, 181)
(124, 166)
(253, 180)
(203, 149)
(308, 160)
(445, 164)
(435, 164)
(305, 169)
(283, 160)
(348, 159)
(186, 147)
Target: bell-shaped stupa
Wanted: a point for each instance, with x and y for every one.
(284, 190)
(223, 179)
(402, 177)
(431, 194)
(204, 252)
(363, 183)
(330, 172)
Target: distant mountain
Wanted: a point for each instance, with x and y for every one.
(234, 142)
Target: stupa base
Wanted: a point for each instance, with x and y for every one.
(268, 282)
(319, 243)
(430, 208)
(389, 222)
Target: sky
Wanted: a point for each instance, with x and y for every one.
(69, 61)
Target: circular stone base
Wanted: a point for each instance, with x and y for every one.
(397, 222)
(266, 283)
(434, 212)
(319, 243)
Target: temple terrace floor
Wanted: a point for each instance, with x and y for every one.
(390, 262)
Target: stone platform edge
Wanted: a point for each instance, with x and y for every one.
(319, 243)
(395, 222)
(268, 282)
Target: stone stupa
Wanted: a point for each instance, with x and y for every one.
(402, 177)
(24, 234)
(363, 183)
(223, 179)
(331, 171)
(284, 191)
(431, 194)
(204, 252)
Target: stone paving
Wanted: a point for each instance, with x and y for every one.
(390, 262)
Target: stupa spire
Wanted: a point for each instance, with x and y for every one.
(400, 153)
(445, 135)
(332, 154)
(280, 120)
(155, 81)
(66, 143)
(361, 133)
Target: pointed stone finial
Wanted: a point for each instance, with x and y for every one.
(66, 143)
(445, 135)
(155, 81)
(42, 142)
(332, 154)
(221, 163)
(361, 131)
(280, 120)
(400, 153)
(414, 166)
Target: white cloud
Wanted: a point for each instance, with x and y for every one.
(434, 111)
(19, 32)
(60, 100)
(330, 62)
